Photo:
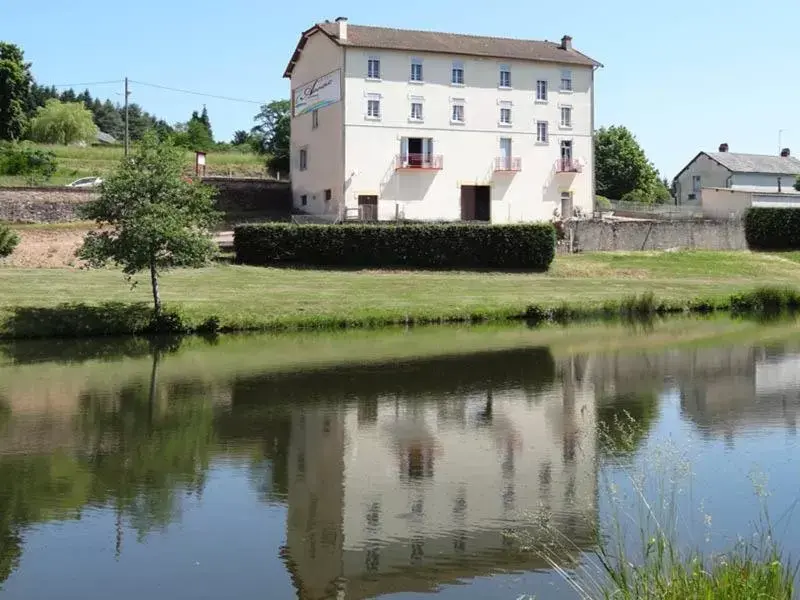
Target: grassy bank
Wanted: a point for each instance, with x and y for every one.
(69, 302)
(75, 162)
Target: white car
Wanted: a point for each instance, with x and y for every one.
(85, 182)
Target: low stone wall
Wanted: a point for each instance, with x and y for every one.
(599, 236)
(242, 200)
(42, 205)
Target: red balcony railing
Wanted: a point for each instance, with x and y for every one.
(568, 165)
(508, 163)
(431, 162)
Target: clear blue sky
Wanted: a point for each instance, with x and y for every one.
(683, 75)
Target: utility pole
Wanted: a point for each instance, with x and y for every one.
(127, 130)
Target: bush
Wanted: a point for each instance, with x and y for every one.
(772, 228)
(639, 196)
(530, 246)
(602, 203)
(26, 160)
(8, 240)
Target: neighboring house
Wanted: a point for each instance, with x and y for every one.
(390, 123)
(105, 138)
(742, 172)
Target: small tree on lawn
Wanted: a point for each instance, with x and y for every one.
(150, 217)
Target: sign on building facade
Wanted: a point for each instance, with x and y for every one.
(321, 92)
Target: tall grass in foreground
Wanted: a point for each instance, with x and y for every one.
(639, 553)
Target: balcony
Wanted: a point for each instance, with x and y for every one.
(425, 162)
(568, 165)
(508, 164)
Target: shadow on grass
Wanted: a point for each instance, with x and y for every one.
(77, 320)
(287, 266)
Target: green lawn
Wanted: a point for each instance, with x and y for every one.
(75, 162)
(254, 297)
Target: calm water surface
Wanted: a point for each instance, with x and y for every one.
(332, 466)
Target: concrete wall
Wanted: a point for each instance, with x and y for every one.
(711, 174)
(593, 236)
(468, 149)
(41, 205)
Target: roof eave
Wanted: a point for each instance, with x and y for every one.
(287, 73)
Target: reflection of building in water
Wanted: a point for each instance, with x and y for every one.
(762, 392)
(401, 492)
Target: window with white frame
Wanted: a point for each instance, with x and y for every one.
(457, 74)
(505, 76)
(416, 69)
(457, 112)
(542, 136)
(541, 90)
(566, 117)
(373, 107)
(416, 110)
(505, 115)
(314, 119)
(373, 67)
(303, 159)
(566, 80)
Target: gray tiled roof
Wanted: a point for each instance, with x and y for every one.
(757, 163)
(362, 36)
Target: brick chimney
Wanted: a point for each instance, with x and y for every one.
(723, 147)
(342, 21)
(785, 153)
(566, 43)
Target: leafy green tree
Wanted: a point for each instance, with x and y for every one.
(8, 240)
(661, 193)
(240, 138)
(15, 86)
(60, 123)
(797, 184)
(109, 120)
(621, 165)
(198, 136)
(207, 122)
(151, 218)
(273, 130)
(38, 96)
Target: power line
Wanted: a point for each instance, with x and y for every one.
(74, 85)
(172, 89)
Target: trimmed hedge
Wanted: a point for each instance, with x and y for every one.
(772, 228)
(530, 246)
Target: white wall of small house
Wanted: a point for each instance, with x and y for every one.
(468, 150)
(712, 175)
(323, 145)
(765, 182)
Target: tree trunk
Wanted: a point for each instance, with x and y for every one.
(156, 293)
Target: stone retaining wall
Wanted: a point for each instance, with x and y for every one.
(42, 205)
(599, 236)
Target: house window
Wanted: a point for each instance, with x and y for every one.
(541, 132)
(696, 183)
(505, 76)
(373, 108)
(541, 90)
(303, 159)
(566, 117)
(505, 115)
(314, 119)
(457, 75)
(566, 80)
(416, 69)
(457, 114)
(303, 200)
(328, 196)
(374, 68)
(416, 111)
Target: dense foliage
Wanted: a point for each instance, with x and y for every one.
(622, 167)
(63, 123)
(529, 246)
(15, 84)
(151, 217)
(8, 240)
(272, 133)
(23, 159)
(772, 228)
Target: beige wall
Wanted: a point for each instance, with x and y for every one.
(468, 149)
(720, 203)
(323, 144)
(712, 174)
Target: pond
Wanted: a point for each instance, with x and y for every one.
(432, 462)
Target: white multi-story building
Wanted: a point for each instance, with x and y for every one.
(390, 123)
